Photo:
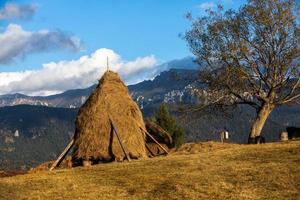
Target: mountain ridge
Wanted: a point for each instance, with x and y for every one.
(173, 79)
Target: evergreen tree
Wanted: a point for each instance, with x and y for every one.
(178, 136)
(168, 123)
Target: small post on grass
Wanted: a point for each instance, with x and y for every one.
(224, 135)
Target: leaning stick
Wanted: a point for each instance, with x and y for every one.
(119, 139)
(62, 155)
(148, 148)
(165, 150)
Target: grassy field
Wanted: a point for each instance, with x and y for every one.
(197, 171)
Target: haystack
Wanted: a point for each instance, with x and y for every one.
(95, 138)
(109, 126)
(161, 136)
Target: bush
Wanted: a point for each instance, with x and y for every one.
(168, 123)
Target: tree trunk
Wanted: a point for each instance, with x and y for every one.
(261, 118)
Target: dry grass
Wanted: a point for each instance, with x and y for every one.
(204, 171)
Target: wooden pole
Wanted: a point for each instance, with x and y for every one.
(107, 64)
(154, 140)
(119, 139)
(148, 148)
(222, 136)
(62, 155)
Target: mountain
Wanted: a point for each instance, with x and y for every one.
(169, 86)
(69, 99)
(30, 135)
(173, 86)
(164, 83)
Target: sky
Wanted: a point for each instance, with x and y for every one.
(49, 46)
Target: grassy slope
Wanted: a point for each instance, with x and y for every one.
(203, 171)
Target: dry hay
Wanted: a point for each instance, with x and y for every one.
(66, 163)
(159, 134)
(155, 150)
(2, 174)
(94, 136)
(162, 136)
(11, 173)
(193, 148)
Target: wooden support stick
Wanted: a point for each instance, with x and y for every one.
(62, 155)
(148, 148)
(165, 150)
(119, 139)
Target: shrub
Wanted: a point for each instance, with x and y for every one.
(167, 122)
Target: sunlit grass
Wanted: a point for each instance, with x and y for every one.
(202, 171)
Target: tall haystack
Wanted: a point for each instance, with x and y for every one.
(109, 105)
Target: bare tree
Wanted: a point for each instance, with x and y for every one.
(251, 55)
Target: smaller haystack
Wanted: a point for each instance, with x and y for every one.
(160, 135)
(109, 105)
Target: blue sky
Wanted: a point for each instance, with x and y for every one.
(132, 29)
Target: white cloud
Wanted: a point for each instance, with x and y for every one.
(18, 43)
(213, 4)
(57, 77)
(227, 1)
(14, 11)
(207, 5)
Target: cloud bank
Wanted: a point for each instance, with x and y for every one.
(18, 43)
(14, 11)
(57, 77)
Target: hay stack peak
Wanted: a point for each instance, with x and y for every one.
(94, 137)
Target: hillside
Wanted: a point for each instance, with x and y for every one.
(30, 135)
(195, 171)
